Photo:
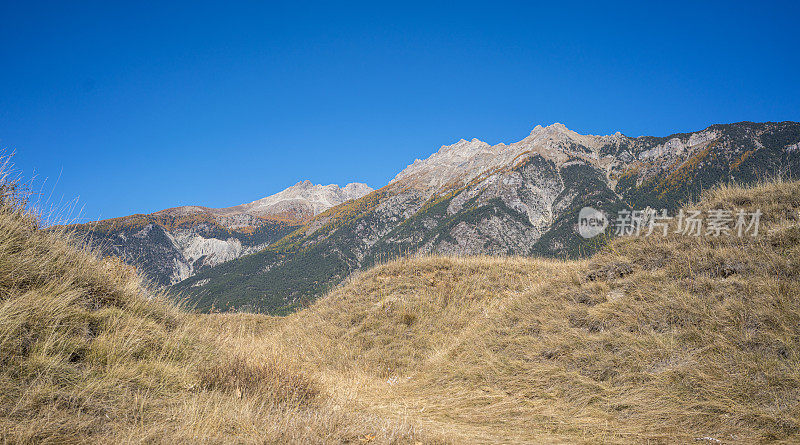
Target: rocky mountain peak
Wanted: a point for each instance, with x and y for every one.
(304, 198)
(554, 128)
(558, 133)
(355, 190)
(298, 203)
(465, 160)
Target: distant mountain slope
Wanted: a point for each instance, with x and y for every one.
(299, 202)
(508, 199)
(173, 244)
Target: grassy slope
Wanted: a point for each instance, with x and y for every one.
(88, 355)
(701, 338)
(698, 337)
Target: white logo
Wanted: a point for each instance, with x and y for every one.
(591, 222)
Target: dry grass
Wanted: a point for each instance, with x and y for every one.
(90, 356)
(653, 340)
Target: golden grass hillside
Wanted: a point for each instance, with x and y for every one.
(89, 356)
(653, 340)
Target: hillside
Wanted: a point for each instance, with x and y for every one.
(89, 355)
(652, 340)
(676, 339)
(471, 198)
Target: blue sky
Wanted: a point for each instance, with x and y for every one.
(133, 107)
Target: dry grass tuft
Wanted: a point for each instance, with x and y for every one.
(271, 379)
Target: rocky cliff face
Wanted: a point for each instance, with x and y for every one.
(173, 244)
(507, 199)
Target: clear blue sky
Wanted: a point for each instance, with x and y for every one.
(140, 106)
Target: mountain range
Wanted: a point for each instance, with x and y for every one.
(173, 244)
(469, 198)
